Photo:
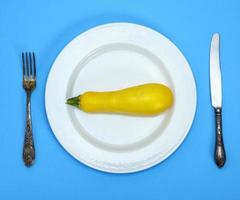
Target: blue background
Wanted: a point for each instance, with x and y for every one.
(46, 27)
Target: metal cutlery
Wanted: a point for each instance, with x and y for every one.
(29, 84)
(216, 96)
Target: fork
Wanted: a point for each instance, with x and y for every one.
(29, 84)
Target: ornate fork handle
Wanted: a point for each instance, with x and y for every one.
(28, 148)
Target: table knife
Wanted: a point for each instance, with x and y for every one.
(216, 97)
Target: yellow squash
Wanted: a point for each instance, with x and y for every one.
(147, 99)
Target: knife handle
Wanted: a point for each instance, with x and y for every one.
(220, 155)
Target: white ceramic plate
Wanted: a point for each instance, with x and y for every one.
(111, 57)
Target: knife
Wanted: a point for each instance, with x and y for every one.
(216, 96)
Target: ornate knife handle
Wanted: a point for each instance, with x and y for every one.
(28, 148)
(220, 155)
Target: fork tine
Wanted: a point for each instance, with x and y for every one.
(30, 64)
(34, 65)
(26, 55)
(23, 65)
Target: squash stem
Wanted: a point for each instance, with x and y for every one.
(74, 101)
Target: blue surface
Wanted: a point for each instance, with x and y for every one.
(190, 173)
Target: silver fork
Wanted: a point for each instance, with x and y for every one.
(29, 84)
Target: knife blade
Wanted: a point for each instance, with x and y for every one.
(215, 73)
(216, 96)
